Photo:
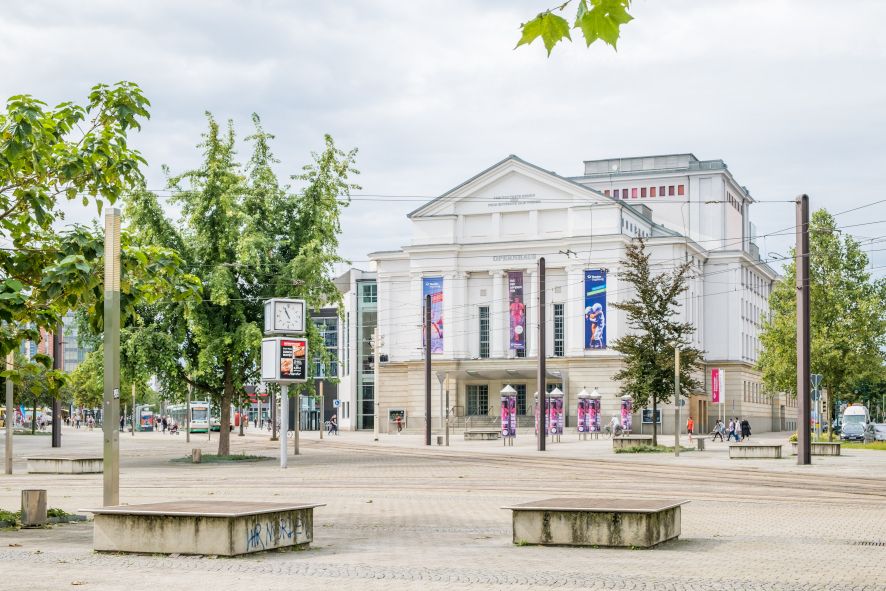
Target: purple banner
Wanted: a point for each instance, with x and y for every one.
(556, 414)
(626, 414)
(433, 286)
(509, 415)
(517, 311)
(594, 415)
(584, 415)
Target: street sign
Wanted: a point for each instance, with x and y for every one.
(816, 380)
(336, 403)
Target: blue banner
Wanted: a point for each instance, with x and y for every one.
(433, 286)
(595, 309)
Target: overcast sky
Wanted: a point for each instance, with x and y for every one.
(790, 94)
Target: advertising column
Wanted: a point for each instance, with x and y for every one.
(594, 416)
(508, 414)
(516, 312)
(555, 412)
(584, 414)
(433, 286)
(627, 410)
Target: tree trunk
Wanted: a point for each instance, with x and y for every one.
(34, 417)
(654, 421)
(224, 409)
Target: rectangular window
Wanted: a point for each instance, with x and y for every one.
(652, 191)
(521, 353)
(477, 399)
(681, 190)
(521, 398)
(369, 293)
(559, 331)
(634, 193)
(661, 191)
(642, 191)
(615, 193)
(484, 332)
(606, 192)
(671, 191)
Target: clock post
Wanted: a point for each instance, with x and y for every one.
(284, 356)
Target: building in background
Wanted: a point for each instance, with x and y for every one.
(475, 250)
(74, 354)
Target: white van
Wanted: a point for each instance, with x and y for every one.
(855, 420)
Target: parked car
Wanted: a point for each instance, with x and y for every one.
(879, 431)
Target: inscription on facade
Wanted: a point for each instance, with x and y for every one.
(514, 257)
(508, 200)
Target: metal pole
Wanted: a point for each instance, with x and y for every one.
(284, 423)
(376, 347)
(273, 402)
(804, 448)
(111, 402)
(188, 415)
(677, 401)
(297, 427)
(10, 414)
(447, 417)
(818, 408)
(428, 370)
(542, 390)
(134, 417)
(322, 411)
(58, 364)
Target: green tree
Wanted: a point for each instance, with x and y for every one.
(597, 19)
(847, 317)
(648, 350)
(247, 238)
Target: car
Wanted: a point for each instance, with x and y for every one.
(879, 431)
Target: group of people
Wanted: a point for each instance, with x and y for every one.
(740, 429)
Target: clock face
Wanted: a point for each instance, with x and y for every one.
(288, 316)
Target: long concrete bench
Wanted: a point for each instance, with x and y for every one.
(65, 465)
(821, 448)
(755, 450)
(596, 522)
(482, 434)
(220, 528)
(630, 441)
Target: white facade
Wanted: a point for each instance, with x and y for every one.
(510, 215)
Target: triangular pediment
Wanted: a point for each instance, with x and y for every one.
(511, 185)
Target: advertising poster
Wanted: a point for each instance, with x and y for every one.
(626, 416)
(546, 414)
(595, 415)
(556, 416)
(509, 416)
(715, 385)
(584, 415)
(595, 309)
(433, 286)
(517, 311)
(293, 359)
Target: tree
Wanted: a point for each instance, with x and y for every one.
(597, 19)
(648, 351)
(847, 317)
(247, 238)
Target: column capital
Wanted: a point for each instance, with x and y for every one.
(497, 273)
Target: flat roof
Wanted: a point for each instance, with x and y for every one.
(202, 508)
(600, 505)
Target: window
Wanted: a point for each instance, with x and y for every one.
(642, 191)
(521, 353)
(652, 191)
(634, 193)
(606, 192)
(484, 332)
(328, 328)
(369, 293)
(661, 191)
(615, 193)
(681, 190)
(477, 398)
(559, 331)
(671, 191)
(521, 398)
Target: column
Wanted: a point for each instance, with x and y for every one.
(530, 294)
(498, 318)
(467, 326)
(451, 318)
(574, 320)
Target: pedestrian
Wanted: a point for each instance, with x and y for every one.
(333, 425)
(690, 425)
(399, 421)
(614, 426)
(163, 424)
(745, 429)
(718, 430)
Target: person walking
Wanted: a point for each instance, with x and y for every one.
(690, 426)
(333, 425)
(399, 421)
(718, 430)
(731, 431)
(745, 429)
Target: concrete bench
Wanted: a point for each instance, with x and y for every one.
(65, 465)
(821, 448)
(700, 441)
(755, 450)
(596, 522)
(482, 434)
(220, 528)
(631, 441)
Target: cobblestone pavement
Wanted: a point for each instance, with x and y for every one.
(399, 515)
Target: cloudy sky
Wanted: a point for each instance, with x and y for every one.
(790, 94)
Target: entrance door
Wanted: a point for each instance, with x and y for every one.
(476, 399)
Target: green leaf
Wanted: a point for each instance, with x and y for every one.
(547, 25)
(14, 284)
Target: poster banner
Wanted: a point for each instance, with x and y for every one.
(433, 286)
(715, 386)
(595, 309)
(293, 359)
(595, 415)
(547, 411)
(517, 311)
(509, 415)
(626, 414)
(584, 415)
(556, 416)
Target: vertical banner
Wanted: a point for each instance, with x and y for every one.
(584, 415)
(517, 311)
(433, 286)
(545, 412)
(715, 385)
(556, 416)
(627, 414)
(594, 416)
(595, 309)
(508, 415)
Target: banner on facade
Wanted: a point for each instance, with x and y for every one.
(517, 311)
(433, 286)
(595, 309)
(715, 385)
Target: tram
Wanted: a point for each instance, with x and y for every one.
(199, 416)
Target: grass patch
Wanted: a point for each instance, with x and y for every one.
(9, 518)
(877, 445)
(649, 449)
(217, 459)
(28, 432)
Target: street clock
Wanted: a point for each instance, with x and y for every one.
(284, 316)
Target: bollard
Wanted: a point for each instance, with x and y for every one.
(196, 455)
(33, 508)
(439, 440)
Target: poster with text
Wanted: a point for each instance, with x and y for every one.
(556, 414)
(508, 415)
(293, 359)
(433, 286)
(627, 418)
(595, 415)
(517, 311)
(595, 309)
(584, 415)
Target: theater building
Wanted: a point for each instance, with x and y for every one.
(475, 250)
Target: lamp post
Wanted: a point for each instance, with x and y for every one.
(111, 402)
